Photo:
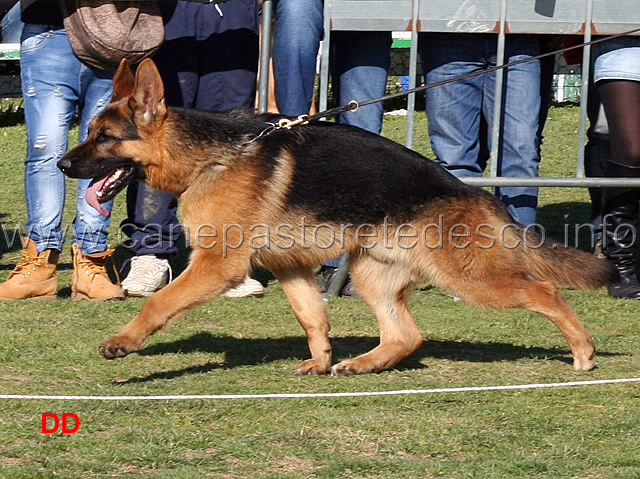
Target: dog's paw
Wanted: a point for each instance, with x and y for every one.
(342, 370)
(312, 367)
(351, 367)
(583, 358)
(116, 348)
(583, 364)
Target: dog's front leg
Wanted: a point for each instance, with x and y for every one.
(204, 279)
(301, 287)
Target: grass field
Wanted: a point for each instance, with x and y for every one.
(250, 346)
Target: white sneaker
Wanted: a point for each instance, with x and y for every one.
(148, 274)
(250, 287)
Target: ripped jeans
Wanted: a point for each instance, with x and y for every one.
(55, 86)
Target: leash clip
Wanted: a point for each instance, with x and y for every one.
(287, 124)
(282, 123)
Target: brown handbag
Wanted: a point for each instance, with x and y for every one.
(103, 32)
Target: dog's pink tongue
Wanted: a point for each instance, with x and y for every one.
(92, 197)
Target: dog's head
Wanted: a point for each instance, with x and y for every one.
(120, 144)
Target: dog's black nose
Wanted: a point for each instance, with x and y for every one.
(64, 164)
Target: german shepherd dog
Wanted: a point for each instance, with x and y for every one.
(255, 195)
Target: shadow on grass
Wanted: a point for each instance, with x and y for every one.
(568, 223)
(247, 352)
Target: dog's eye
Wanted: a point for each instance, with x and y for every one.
(104, 137)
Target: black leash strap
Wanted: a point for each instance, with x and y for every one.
(354, 105)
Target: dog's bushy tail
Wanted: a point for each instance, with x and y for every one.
(552, 261)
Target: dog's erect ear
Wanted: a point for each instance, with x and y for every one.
(122, 81)
(147, 100)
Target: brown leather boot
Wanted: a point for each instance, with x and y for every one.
(34, 277)
(90, 280)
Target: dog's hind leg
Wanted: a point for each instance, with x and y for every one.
(204, 279)
(386, 288)
(543, 297)
(301, 287)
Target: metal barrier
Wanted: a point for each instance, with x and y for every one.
(502, 17)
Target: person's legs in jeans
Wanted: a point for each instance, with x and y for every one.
(360, 69)
(518, 152)
(90, 227)
(54, 83)
(90, 279)
(48, 108)
(454, 109)
(298, 31)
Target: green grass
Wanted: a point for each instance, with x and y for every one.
(250, 346)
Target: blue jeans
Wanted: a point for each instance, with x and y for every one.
(55, 84)
(360, 63)
(298, 32)
(11, 26)
(617, 59)
(454, 110)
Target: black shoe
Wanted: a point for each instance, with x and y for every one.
(627, 287)
(349, 290)
(327, 275)
(620, 223)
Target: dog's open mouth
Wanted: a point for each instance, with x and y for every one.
(102, 189)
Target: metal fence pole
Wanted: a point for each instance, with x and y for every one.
(497, 99)
(413, 74)
(265, 56)
(584, 90)
(324, 58)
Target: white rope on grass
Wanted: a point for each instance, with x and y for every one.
(319, 395)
